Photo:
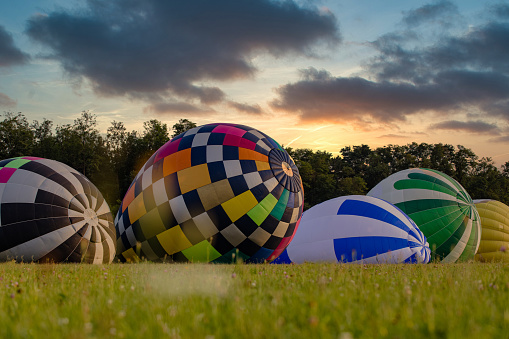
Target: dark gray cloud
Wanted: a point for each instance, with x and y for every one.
(139, 48)
(10, 55)
(463, 73)
(246, 108)
(175, 108)
(466, 126)
(6, 101)
(501, 10)
(437, 12)
(503, 138)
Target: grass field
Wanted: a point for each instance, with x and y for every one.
(254, 301)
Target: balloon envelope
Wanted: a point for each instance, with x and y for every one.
(440, 207)
(217, 193)
(52, 213)
(494, 244)
(356, 229)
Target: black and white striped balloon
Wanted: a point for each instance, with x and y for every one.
(50, 212)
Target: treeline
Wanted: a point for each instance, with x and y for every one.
(112, 161)
(360, 168)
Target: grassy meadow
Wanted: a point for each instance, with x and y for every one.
(148, 300)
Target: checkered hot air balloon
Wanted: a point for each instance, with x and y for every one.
(356, 229)
(441, 208)
(494, 245)
(215, 193)
(52, 213)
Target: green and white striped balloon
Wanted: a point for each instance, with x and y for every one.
(440, 207)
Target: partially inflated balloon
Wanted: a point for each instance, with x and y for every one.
(440, 207)
(495, 230)
(356, 229)
(52, 213)
(217, 193)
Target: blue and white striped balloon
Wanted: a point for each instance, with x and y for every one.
(356, 229)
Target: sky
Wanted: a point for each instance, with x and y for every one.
(319, 74)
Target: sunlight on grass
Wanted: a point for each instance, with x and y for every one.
(148, 300)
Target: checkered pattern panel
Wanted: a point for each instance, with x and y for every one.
(226, 189)
(49, 212)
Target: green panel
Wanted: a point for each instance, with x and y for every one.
(261, 211)
(447, 224)
(421, 184)
(423, 217)
(413, 206)
(17, 163)
(451, 242)
(232, 256)
(279, 209)
(445, 176)
(430, 178)
(201, 252)
(441, 220)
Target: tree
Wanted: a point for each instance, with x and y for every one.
(182, 126)
(16, 136)
(80, 145)
(45, 143)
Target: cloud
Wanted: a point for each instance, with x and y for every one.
(10, 55)
(246, 108)
(393, 136)
(165, 108)
(171, 47)
(500, 10)
(440, 11)
(503, 138)
(6, 101)
(466, 73)
(466, 126)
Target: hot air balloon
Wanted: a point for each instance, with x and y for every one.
(216, 193)
(494, 244)
(356, 229)
(440, 207)
(52, 213)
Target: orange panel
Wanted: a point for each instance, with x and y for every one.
(170, 164)
(129, 197)
(247, 154)
(183, 159)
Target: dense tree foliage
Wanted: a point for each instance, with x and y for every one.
(112, 161)
(359, 168)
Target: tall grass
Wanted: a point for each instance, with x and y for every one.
(254, 301)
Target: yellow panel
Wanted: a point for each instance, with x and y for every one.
(173, 240)
(151, 224)
(492, 246)
(136, 208)
(130, 256)
(215, 193)
(492, 234)
(193, 177)
(493, 256)
(224, 191)
(262, 166)
(240, 205)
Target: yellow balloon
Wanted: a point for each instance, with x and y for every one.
(495, 230)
